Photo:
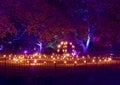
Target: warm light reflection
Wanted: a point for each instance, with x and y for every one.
(37, 59)
(84, 61)
(65, 62)
(57, 59)
(75, 62)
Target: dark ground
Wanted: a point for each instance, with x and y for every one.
(86, 75)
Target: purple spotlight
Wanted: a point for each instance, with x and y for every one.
(1, 47)
(25, 52)
(111, 54)
(74, 53)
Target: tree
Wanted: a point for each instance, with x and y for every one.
(51, 21)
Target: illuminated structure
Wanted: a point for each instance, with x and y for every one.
(64, 47)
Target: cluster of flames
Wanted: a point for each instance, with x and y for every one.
(64, 45)
(41, 59)
(59, 59)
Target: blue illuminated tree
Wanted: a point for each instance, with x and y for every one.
(83, 19)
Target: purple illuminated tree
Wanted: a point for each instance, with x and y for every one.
(51, 21)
